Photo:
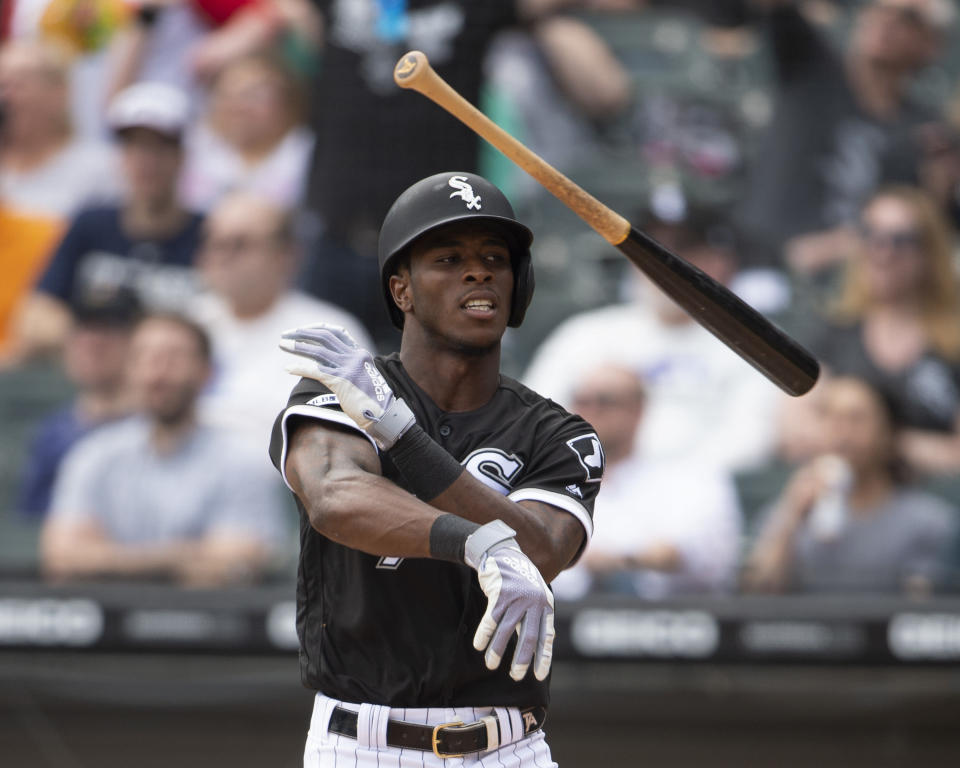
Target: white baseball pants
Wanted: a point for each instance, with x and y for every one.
(370, 750)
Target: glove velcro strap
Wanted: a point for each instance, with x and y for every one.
(483, 539)
(396, 420)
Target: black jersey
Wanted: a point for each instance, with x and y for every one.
(399, 632)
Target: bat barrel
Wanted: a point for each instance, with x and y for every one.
(738, 325)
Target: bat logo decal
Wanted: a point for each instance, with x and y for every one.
(406, 67)
(464, 192)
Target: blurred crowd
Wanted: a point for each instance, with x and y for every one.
(183, 180)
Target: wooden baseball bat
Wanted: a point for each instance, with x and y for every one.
(738, 325)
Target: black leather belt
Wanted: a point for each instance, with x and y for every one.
(444, 740)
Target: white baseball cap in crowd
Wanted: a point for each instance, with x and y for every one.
(157, 106)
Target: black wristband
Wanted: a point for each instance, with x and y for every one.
(147, 15)
(448, 537)
(428, 469)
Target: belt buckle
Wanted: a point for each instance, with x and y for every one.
(434, 741)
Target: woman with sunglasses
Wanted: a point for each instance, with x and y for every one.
(896, 322)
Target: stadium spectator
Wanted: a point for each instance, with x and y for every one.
(838, 118)
(44, 169)
(28, 241)
(247, 261)
(897, 322)
(939, 171)
(703, 402)
(83, 29)
(252, 138)
(154, 46)
(95, 361)
(146, 242)
(560, 118)
(186, 43)
(663, 528)
(846, 520)
(160, 494)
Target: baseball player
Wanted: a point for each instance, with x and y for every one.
(437, 500)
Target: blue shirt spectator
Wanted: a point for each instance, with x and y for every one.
(144, 243)
(94, 360)
(54, 437)
(160, 494)
(98, 254)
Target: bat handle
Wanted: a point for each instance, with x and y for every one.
(413, 71)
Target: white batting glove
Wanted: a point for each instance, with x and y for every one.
(518, 599)
(329, 354)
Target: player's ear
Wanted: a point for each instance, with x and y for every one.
(400, 289)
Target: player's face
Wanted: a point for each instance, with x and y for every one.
(459, 285)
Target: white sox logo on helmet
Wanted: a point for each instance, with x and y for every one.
(464, 192)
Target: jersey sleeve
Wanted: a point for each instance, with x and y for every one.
(309, 400)
(565, 472)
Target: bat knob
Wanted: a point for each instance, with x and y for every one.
(410, 68)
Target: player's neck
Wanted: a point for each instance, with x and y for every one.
(454, 381)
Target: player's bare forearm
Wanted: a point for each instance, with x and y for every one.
(549, 536)
(336, 476)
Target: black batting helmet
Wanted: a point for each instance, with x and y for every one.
(444, 198)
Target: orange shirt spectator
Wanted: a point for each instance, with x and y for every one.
(26, 242)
